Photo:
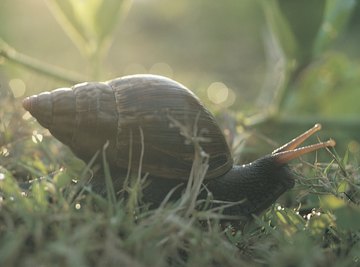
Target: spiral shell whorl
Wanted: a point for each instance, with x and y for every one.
(88, 115)
(52, 109)
(40, 106)
(81, 117)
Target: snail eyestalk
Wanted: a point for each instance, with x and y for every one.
(298, 140)
(290, 151)
(285, 156)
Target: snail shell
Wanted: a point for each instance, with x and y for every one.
(88, 115)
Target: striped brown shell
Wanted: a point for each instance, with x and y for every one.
(134, 113)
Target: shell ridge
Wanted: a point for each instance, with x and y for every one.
(97, 103)
(52, 111)
(119, 127)
(140, 102)
(77, 118)
(74, 128)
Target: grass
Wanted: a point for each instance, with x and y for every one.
(50, 224)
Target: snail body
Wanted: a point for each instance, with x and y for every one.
(136, 115)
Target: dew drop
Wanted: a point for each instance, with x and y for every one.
(36, 137)
(4, 151)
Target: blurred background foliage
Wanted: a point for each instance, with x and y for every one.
(268, 69)
(273, 67)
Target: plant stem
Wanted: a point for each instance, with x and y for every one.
(34, 64)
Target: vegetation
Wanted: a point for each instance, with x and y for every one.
(49, 215)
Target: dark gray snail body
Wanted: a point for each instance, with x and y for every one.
(135, 113)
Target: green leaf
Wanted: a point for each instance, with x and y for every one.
(337, 13)
(88, 23)
(279, 27)
(332, 202)
(62, 178)
(10, 190)
(304, 19)
(329, 88)
(348, 218)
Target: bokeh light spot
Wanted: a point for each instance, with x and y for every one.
(354, 147)
(134, 68)
(162, 68)
(218, 92)
(18, 87)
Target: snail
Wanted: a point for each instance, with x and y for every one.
(135, 115)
